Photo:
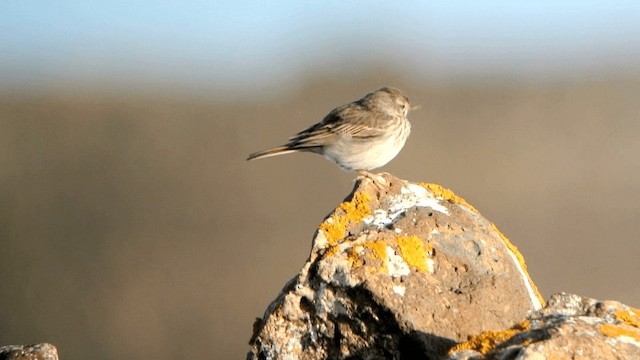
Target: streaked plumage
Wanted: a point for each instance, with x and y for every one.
(363, 135)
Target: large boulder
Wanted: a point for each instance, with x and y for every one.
(398, 270)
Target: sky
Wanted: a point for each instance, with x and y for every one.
(240, 44)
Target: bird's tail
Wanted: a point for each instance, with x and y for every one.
(280, 150)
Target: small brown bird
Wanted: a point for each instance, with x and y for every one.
(360, 136)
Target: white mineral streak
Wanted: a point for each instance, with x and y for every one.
(410, 196)
(535, 302)
(396, 266)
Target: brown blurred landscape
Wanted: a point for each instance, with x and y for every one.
(133, 227)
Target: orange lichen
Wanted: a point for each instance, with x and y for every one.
(488, 340)
(441, 192)
(413, 251)
(335, 227)
(615, 331)
(520, 258)
(629, 317)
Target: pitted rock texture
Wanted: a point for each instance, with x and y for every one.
(42, 351)
(569, 327)
(401, 270)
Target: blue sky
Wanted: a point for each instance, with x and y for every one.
(237, 44)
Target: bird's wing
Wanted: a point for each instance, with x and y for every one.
(358, 130)
(342, 121)
(315, 135)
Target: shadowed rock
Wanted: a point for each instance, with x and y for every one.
(29, 352)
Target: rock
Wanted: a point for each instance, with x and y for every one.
(402, 270)
(569, 327)
(42, 351)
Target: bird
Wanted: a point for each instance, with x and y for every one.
(359, 136)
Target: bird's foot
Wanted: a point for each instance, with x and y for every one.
(378, 180)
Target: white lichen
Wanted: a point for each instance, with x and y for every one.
(431, 265)
(399, 289)
(625, 339)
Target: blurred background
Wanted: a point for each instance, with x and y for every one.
(132, 227)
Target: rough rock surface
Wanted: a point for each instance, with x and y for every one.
(402, 270)
(569, 327)
(29, 352)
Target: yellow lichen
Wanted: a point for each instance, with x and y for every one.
(520, 258)
(413, 251)
(630, 317)
(335, 227)
(615, 331)
(378, 251)
(354, 257)
(333, 230)
(441, 192)
(488, 340)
